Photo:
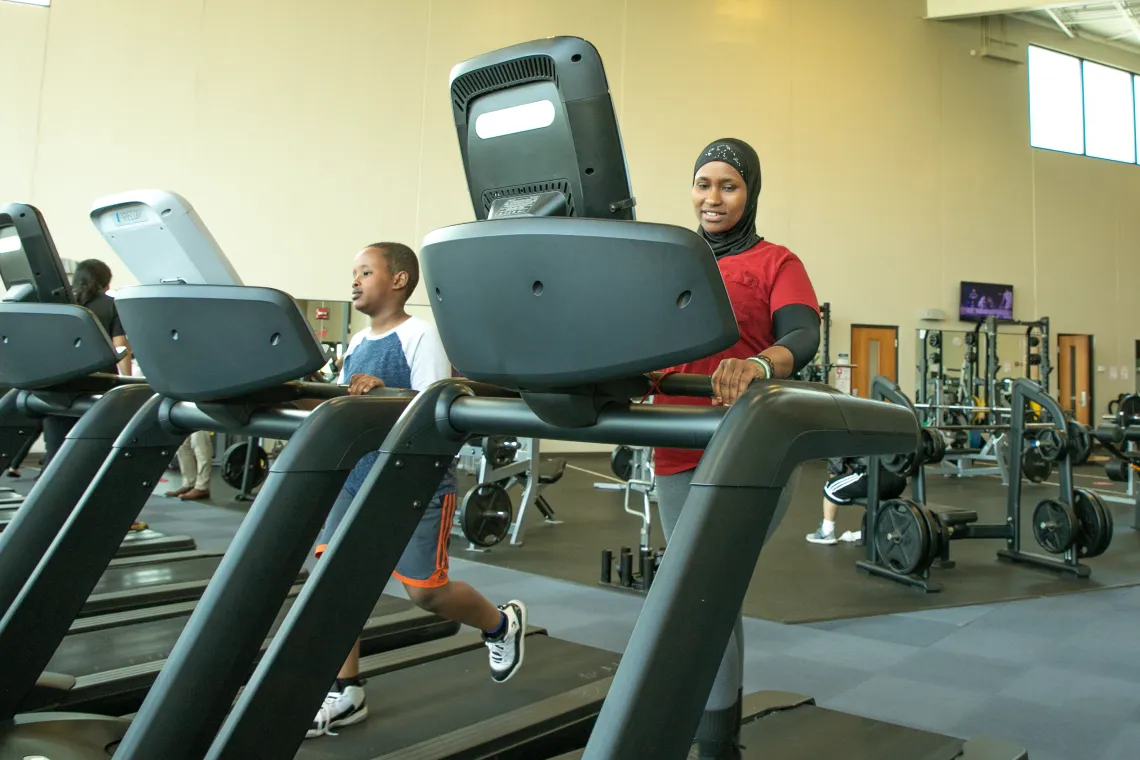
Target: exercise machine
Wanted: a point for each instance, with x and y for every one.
(906, 538)
(499, 463)
(578, 388)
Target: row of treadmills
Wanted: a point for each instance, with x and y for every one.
(228, 656)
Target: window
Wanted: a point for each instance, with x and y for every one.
(1055, 110)
(1082, 107)
(1110, 118)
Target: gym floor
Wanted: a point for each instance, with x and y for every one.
(1057, 672)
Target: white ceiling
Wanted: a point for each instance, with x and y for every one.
(1116, 21)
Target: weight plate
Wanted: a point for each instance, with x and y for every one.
(1080, 442)
(901, 464)
(933, 446)
(902, 538)
(1054, 526)
(937, 537)
(1117, 470)
(621, 462)
(233, 461)
(1052, 444)
(1129, 411)
(1108, 534)
(500, 450)
(1034, 466)
(934, 339)
(1093, 525)
(486, 513)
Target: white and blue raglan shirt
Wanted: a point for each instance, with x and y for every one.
(411, 356)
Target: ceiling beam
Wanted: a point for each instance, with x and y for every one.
(1128, 18)
(948, 9)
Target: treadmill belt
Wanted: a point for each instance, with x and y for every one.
(415, 704)
(152, 542)
(117, 580)
(85, 654)
(808, 731)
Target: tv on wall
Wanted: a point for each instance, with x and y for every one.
(983, 299)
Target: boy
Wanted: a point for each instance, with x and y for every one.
(402, 351)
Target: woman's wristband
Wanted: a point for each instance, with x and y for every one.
(766, 363)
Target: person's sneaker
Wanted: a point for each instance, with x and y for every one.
(852, 537)
(507, 647)
(819, 537)
(341, 708)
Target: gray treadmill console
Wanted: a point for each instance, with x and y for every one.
(161, 239)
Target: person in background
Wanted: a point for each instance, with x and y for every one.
(89, 286)
(195, 460)
(846, 484)
(778, 316)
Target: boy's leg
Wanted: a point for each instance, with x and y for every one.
(423, 571)
(344, 704)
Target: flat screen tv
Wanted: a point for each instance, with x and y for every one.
(983, 299)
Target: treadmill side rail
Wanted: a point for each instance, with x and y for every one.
(56, 591)
(47, 507)
(219, 645)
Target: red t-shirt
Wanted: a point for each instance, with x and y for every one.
(759, 281)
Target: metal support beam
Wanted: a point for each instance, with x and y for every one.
(1129, 18)
(1057, 20)
(941, 10)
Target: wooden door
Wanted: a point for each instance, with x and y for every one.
(1074, 375)
(874, 351)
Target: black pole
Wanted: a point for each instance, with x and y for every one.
(34, 527)
(53, 595)
(733, 505)
(217, 649)
(272, 714)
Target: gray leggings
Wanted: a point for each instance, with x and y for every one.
(672, 490)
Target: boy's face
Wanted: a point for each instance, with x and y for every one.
(373, 288)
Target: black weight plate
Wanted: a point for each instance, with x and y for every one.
(486, 513)
(1052, 444)
(1108, 534)
(934, 339)
(621, 462)
(937, 537)
(902, 538)
(933, 446)
(1117, 470)
(900, 464)
(233, 461)
(1035, 467)
(500, 450)
(1054, 526)
(1090, 521)
(1080, 442)
(1129, 411)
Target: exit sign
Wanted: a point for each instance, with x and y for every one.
(322, 312)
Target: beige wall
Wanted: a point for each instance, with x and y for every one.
(895, 162)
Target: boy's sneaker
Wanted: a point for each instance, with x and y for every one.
(341, 708)
(507, 647)
(819, 537)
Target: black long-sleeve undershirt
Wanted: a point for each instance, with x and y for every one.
(797, 329)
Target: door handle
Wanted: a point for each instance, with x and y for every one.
(1084, 398)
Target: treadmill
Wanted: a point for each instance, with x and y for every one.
(95, 668)
(540, 271)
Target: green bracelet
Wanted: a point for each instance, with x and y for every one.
(764, 362)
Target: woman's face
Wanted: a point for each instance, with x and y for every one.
(719, 196)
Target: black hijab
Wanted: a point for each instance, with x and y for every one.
(743, 158)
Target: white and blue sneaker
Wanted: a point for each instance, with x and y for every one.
(341, 708)
(506, 649)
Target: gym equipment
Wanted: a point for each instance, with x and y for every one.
(245, 465)
(907, 538)
(500, 463)
(486, 515)
(1128, 411)
(635, 463)
(819, 371)
(1121, 443)
(1080, 441)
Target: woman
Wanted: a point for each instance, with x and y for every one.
(778, 316)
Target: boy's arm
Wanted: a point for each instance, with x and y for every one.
(428, 361)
